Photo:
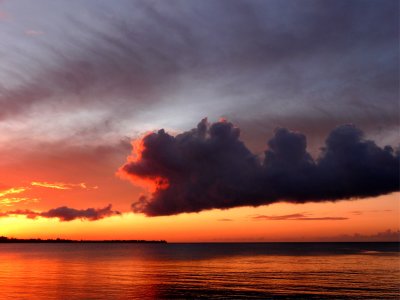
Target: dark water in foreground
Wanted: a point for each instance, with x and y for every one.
(188, 271)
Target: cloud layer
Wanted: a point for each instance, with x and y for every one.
(210, 167)
(65, 213)
(298, 217)
(332, 62)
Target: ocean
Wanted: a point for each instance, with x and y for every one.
(200, 271)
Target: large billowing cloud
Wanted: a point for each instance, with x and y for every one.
(210, 167)
(65, 213)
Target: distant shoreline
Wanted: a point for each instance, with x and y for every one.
(6, 240)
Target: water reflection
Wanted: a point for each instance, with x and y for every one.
(226, 271)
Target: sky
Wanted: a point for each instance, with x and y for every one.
(196, 121)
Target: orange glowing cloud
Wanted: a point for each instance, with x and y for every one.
(10, 201)
(17, 200)
(61, 185)
(151, 183)
(14, 190)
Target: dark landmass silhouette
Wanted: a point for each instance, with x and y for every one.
(4, 239)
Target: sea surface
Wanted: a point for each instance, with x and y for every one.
(200, 271)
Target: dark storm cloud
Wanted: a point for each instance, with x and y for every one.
(375, 122)
(139, 53)
(66, 214)
(298, 217)
(210, 167)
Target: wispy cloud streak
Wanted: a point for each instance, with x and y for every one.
(17, 200)
(13, 190)
(61, 185)
(297, 217)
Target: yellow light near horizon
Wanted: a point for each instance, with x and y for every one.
(378, 214)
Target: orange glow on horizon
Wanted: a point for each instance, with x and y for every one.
(366, 217)
(376, 215)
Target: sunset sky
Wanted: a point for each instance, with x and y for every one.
(275, 115)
